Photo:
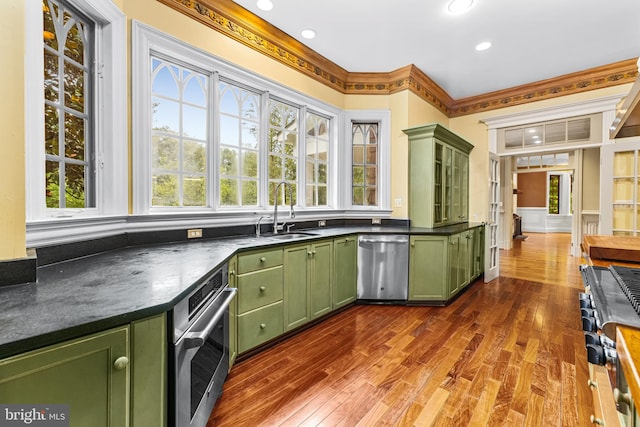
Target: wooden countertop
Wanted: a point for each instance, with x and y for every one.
(615, 248)
(628, 348)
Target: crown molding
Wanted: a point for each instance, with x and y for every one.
(236, 22)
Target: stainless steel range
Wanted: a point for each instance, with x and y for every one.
(611, 298)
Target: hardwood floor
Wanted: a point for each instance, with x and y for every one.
(510, 352)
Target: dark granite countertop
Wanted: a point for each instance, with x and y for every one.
(98, 292)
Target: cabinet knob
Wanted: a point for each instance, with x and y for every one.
(597, 421)
(313, 252)
(232, 272)
(413, 244)
(263, 288)
(121, 363)
(621, 397)
(262, 259)
(309, 253)
(263, 325)
(592, 383)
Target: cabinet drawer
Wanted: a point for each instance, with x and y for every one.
(252, 261)
(259, 326)
(259, 288)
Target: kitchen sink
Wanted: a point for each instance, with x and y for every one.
(289, 236)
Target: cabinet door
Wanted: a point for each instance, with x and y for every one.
(233, 312)
(447, 182)
(345, 271)
(428, 268)
(297, 261)
(81, 373)
(454, 264)
(320, 281)
(464, 187)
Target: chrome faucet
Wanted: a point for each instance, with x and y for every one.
(292, 214)
(258, 224)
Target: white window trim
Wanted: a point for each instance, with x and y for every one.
(383, 118)
(147, 40)
(110, 128)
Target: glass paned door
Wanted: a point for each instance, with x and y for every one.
(492, 252)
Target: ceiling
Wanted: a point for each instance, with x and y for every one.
(531, 40)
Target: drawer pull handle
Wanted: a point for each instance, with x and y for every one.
(597, 421)
(621, 397)
(263, 288)
(121, 363)
(262, 259)
(263, 325)
(592, 383)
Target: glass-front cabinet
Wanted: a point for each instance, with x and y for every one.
(620, 190)
(438, 176)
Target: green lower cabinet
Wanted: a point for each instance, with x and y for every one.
(90, 374)
(259, 326)
(233, 312)
(297, 262)
(345, 270)
(307, 282)
(477, 254)
(428, 268)
(320, 278)
(149, 372)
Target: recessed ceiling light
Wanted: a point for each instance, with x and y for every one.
(308, 33)
(265, 4)
(483, 46)
(459, 6)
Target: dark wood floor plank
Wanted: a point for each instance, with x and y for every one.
(509, 352)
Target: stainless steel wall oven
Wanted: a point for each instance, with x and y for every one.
(200, 350)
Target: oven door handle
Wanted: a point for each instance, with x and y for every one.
(197, 338)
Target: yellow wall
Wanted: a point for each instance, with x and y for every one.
(12, 170)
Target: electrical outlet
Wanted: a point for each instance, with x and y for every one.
(398, 202)
(194, 233)
(375, 221)
(322, 223)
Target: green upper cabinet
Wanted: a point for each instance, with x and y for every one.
(345, 270)
(438, 176)
(90, 374)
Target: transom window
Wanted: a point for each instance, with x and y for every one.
(68, 113)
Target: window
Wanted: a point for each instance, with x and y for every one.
(239, 145)
(68, 117)
(554, 194)
(317, 159)
(566, 132)
(365, 164)
(76, 104)
(283, 151)
(179, 135)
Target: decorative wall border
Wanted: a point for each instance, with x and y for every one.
(234, 21)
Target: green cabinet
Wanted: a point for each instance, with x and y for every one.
(112, 378)
(233, 312)
(89, 374)
(307, 282)
(438, 176)
(345, 270)
(441, 266)
(428, 268)
(259, 300)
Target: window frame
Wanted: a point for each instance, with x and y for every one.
(110, 126)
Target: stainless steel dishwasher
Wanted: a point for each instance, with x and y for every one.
(383, 268)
